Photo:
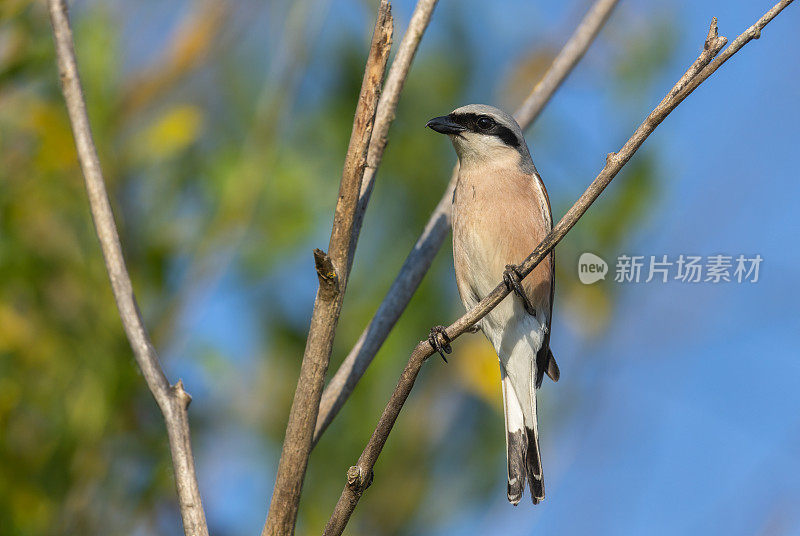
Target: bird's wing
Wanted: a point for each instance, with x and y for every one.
(545, 362)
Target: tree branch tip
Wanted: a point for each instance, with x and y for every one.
(713, 32)
(714, 42)
(324, 265)
(386, 25)
(180, 393)
(326, 273)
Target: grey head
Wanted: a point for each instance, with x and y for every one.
(482, 133)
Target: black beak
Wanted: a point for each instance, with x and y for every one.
(445, 125)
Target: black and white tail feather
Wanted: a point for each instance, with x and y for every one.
(520, 381)
(522, 443)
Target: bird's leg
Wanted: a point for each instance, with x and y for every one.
(442, 346)
(513, 281)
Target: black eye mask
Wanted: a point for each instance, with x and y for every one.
(483, 124)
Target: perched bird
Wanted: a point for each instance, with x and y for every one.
(501, 212)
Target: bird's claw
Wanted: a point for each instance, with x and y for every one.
(440, 346)
(513, 281)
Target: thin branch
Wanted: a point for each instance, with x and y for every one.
(172, 399)
(359, 476)
(395, 81)
(333, 270)
(421, 257)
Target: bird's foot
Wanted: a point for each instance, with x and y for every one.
(440, 341)
(514, 283)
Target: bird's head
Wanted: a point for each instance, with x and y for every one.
(483, 134)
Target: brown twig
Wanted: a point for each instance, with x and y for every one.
(421, 257)
(173, 400)
(360, 475)
(335, 264)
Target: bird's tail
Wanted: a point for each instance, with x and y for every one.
(522, 443)
(533, 461)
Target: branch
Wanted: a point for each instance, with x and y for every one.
(360, 475)
(421, 257)
(333, 270)
(395, 81)
(172, 399)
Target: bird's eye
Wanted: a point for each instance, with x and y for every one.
(485, 123)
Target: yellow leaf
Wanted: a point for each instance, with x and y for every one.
(478, 371)
(15, 330)
(56, 151)
(178, 128)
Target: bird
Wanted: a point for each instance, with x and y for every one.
(500, 213)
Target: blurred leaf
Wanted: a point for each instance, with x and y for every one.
(15, 330)
(11, 8)
(478, 370)
(49, 124)
(648, 46)
(530, 69)
(171, 132)
(186, 49)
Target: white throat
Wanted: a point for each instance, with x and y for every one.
(477, 150)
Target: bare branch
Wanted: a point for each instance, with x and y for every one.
(333, 266)
(372, 338)
(360, 475)
(172, 399)
(421, 257)
(395, 81)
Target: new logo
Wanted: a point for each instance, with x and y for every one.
(591, 268)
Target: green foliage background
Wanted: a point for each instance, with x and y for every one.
(222, 152)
